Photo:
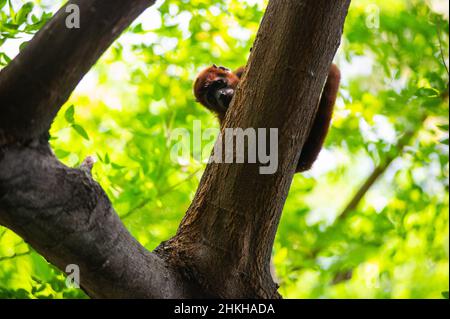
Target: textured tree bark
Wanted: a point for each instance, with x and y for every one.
(223, 246)
(66, 216)
(41, 78)
(225, 240)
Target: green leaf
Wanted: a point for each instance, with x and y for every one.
(2, 3)
(427, 92)
(34, 19)
(107, 160)
(7, 58)
(138, 28)
(444, 141)
(445, 294)
(23, 45)
(443, 127)
(12, 13)
(117, 166)
(81, 131)
(61, 153)
(11, 27)
(69, 114)
(23, 13)
(100, 157)
(432, 102)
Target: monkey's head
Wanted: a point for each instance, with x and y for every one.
(215, 87)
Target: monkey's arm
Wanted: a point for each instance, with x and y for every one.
(321, 124)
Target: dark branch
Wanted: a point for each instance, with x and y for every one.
(66, 216)
(41, 78)
(62, 212)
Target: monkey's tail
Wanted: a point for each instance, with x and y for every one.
(322, 121)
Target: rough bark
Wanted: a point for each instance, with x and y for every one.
(226, 238)
(41, 78)
(66, 216)
(223, 245)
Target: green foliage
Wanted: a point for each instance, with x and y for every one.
(17, 23)
(393, 245)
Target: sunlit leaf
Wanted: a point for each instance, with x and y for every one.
(81, 131)
(69, 114)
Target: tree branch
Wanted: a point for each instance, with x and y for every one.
(375, 175)
(66, 216)
(404, 141)
(62, 212)
(225, 240)
(224, 243)
(41, 78)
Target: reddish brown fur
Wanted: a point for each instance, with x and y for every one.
(321, 124)
(203, 82)
(239, 72)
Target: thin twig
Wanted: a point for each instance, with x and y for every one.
(380, 170)
(15, 255)
(438, 29)
(376, 174)
(3, 233)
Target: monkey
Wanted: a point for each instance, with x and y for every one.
(215, 86)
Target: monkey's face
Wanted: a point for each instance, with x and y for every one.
(215, 87)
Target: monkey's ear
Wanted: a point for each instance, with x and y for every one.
(214, 66)
(239, 72)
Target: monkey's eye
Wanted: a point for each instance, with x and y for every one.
(220, 81)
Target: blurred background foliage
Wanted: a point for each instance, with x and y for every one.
(370, 220)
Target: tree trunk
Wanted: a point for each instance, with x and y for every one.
(223, 245)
